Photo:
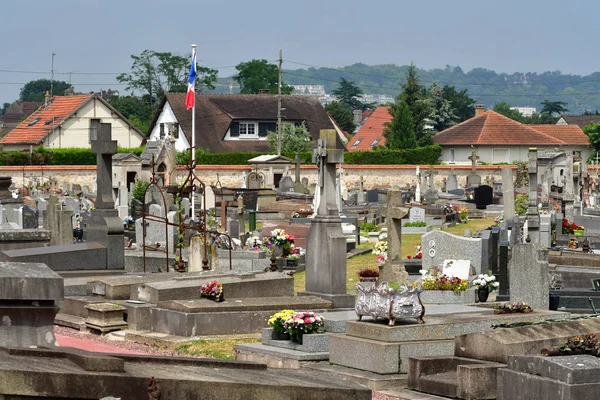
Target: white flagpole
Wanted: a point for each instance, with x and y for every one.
(194, 133)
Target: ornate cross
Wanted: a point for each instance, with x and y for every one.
(474, 157)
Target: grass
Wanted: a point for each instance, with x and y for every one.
(221, 349)
(408, 247)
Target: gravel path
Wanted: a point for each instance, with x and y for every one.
(126, 345)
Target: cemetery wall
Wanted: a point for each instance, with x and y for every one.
(231, 175)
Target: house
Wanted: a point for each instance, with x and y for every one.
(370, 134)
(65, 121)
(580, 120)
(499, 139)
(235, 122)
(17, 112)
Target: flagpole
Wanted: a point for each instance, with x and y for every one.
(194, 134)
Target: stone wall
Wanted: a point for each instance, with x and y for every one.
(231, 175)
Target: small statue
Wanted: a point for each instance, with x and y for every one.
(585, 246)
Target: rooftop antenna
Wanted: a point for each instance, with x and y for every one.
(52, 75)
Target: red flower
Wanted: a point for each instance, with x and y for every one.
(409, 256)
(419, 256)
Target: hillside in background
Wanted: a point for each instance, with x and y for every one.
(485, 86)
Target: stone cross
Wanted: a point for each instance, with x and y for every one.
(568, 189)
(393, 270)
(533, 215)
(327, 172)
(473, 157)
(431, 175)
(104, 148)
(298, 185)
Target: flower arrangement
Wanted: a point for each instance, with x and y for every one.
(368, 274)
(508, 308)
(450, 209)
(573, 243)
(419, 254)
(442, 282)
(303, 322)
(381, 259)
(469, 194)
(486, 282)
(254, 243)
(295, 215)
(463, 212)
(277, 320)
(570, 228)
(292, 257)
(586, 344)
(279, 237)
(381, 247)
(212, 290)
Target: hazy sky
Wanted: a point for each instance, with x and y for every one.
(91, 36)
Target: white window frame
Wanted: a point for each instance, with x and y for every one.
(246, 125)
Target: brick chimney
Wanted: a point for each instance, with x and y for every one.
(479, 109)
(47, 98)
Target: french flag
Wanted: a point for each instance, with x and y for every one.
(191, 92)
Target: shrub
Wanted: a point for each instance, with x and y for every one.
(521, 203)
(381, 156)
(369, 227)
(416, 224)
(140, 189)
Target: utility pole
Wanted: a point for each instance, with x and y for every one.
(52, 75)
(279, 107)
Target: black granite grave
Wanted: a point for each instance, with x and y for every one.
(484, 195)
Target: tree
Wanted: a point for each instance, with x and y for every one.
(342, 114)
(504, 109)
(463, 106)
(540, 119)
(415, 97)
(256, 75)
(4, 108)
(400, 133)
(294, 138)
(442, 116)
(137, 111)
(36, 90)
(347, 93)
(593, 132)
(155, 73)
(553, 107)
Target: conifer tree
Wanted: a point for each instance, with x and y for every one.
(415, 97)
(400, 133)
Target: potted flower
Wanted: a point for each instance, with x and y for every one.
(302, 323)
(292, 260)
(443, 289)
(280, 242)
(463, 213)
(254, 243)
(380, 247)
(368, 275)
(276, 322)
(485, 284)
(213, 290)
(128, 222)
(579, 231)
(573, 244)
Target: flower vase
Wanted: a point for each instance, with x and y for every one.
(294, 337)
(278, 335)
(482, 294)
(278, 250)
(299, 336)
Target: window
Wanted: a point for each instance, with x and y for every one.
(499, 156)
(452, 156)
(355, 144)
(248, 129)
(32, 123)
(375, 142)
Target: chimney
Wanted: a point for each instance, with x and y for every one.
(47, 98)
(69, 91)
(357, 118)
(479, 109)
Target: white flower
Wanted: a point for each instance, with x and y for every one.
(496, 284)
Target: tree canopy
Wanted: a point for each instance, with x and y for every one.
(399, 133)
(342, 114)
(593, 132)
(154, 73)
(256, 75)
(36, 90)
(553, 107)
(416, 99)
(294, 138)
(348, 93)
(137, 111)
(442, 114)
(463, 106)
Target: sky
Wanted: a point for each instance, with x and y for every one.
(94, 39)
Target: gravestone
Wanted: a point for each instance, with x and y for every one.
(416, 214)
(42, 206)
(533, 215)
(104, 225)
(473, 180)
(59, 222)
(451, 182)
(185, 205)
(546, 230)
(156, 210)
(457, 192)
(484, 196)
(373, 195)
(393, 270)
(28, 304)
(254, 180)
(123, 206)
(30, 218)
(136, 209)
(495, 240)
(528, 275)
(504, 289)
(326, 242)
(508, 193)
(439, 246)
(233, 228)
(298, 186)
(286, 184)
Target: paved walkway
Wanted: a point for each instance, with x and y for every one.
(90, 345)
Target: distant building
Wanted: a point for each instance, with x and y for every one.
(370, 133)
(310, 90)
(580, 120)
(17, 112)
(525, 111)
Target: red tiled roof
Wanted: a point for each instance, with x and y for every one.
(492, 128)
(30, 132)
(371, 130)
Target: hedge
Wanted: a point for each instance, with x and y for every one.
(45, 156)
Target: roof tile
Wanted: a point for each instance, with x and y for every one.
(371, 131)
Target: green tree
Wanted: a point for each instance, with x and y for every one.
(342, 114)
(400, 133)
(294, 138)
(540, 119)
(154, 73)
(415, 97)
(463, 106)
(504, 109)
(553, 107)
(4, 108)
(36, 90)
(593, 132)
(348, 93)
(138, 111)
(442, 116)
(256, 75)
